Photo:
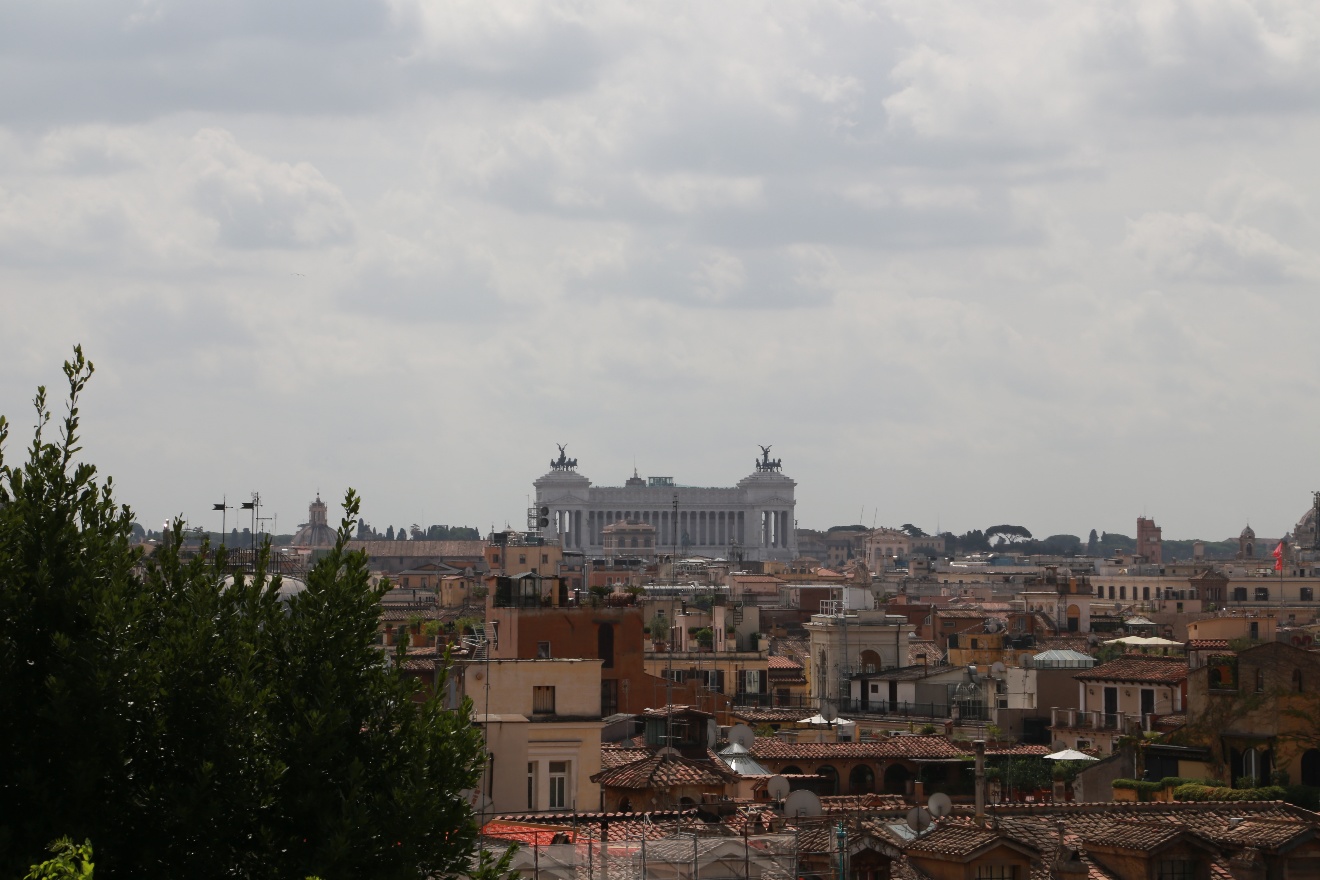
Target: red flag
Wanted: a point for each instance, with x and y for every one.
(1278, 557)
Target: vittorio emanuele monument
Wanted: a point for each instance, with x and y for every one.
(753, 520)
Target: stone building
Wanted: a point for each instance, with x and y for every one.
(316, 532)
(753, 520)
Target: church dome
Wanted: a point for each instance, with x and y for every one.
(316, 532)
(1248, 534)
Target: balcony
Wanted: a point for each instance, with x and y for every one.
(1080, 719)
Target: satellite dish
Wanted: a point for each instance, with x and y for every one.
(998, 670)
(802, 803)
(1058, 746)
(828, 712)
(741, 734)
(939, 804)
(777, 787)
(918, 819)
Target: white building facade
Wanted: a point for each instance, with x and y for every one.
(754, 520)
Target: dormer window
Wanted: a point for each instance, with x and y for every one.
(997, 872)
(1175, 869)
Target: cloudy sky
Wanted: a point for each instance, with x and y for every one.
(1043, 263)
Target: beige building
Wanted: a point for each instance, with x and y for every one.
(542, 724)
(1120, 697)
(630, 538)
(883, 546)
(850, 636)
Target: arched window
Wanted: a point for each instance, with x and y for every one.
(861, 780)
(1311, 767)
(896, 779)
(791, 770)
(830, 785)
(870, 661)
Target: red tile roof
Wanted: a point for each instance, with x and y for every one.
(611, 756)
(664, 771)
(1138, 668)
(953, 840)
(537, 835)
(779, 661)
(928, 748)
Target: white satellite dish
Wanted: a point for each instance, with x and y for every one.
(828, 712)
(918, 819)
(742, 735)
(802, 803)
(777, 787)
(939, 805)
(998, 669)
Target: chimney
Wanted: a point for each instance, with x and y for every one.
(919, 791)
(979, 745)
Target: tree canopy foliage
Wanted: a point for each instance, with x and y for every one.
(189, 725)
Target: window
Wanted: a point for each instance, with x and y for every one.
(543, 700)
(542, 650)
(1239, 594)
(558, 785)
(996, 872)
(1122, 592)
(1255, 630)
(531, 785)
(545, 557)
(1307, 594)
(1260, 681)
(1297, 681)
(1175, 869)
(522, 558)
(1145, 593)
(1262, 594)
(609, 696)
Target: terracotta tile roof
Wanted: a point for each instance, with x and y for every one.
(664, 771)
(521, 832)
(1211, 820)
(1138, 834)
(757, 715)
(779, 661)
(612, 756)
(871, 803)
(953, 840)
(419, 548)
(1207, 644)
(920, 651)
(1138, 668)
(929, 748)
(1016, 749)
(1064, 643)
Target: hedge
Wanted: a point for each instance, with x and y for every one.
(1145, 787)
(1193, 791)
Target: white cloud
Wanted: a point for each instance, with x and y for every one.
(259, 203)
(945, 256)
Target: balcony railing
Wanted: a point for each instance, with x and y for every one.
(1080, 719)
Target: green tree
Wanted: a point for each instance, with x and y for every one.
(192, 724)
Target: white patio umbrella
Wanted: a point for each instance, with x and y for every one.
(1070, 755)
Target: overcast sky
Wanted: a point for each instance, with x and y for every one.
(1051, 264)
